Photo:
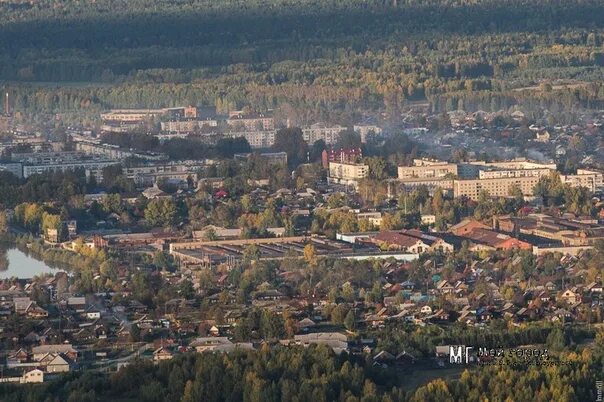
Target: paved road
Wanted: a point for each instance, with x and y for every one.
(105, 364)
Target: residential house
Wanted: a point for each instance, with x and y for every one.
(338, 342)
(570, 296)
(78, 304)
(383, 359)
(58, 364)
(162, 354)
(33, 376)
(66, 349)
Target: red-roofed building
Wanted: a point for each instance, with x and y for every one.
(412, 241)
(487, 239)
(342, 155)
(466, 226)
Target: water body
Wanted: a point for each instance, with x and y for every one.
(15, 263)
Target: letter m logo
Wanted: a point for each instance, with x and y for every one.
(456, 354)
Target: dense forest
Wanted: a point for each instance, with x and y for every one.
(309, 59)
(316, 374)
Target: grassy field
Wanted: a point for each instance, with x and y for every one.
(423, 376)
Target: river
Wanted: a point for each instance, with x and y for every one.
(15, 263)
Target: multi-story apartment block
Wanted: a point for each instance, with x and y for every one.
(585, 178)
(186, 126)
(347, 173)
(497, 187)
(501, 186)
(497, 178)
(37, 163)
(342, 155)
(151, 174)
(320, 131)
(250, 122)
(431, 183)
(114, 152)
(501, 174)
(425, 169)
(131, 115)
(125, 120)
(256, 139)
(16, 168)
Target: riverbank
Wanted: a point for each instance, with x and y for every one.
(57, 258)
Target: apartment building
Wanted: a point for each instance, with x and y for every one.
(347, 173)
(425, 169)
(585, 178)
(497, 178)
(152, 174)
(131, 115)
(250, 121)
(411, 183)
(256, 139)
(95, 165)
(513, 173)
(114, 152)
(12, 167)
(516, 168)
(126, 120)
(42, 162)
(186, 126)
(496, 187)
(320, 131)
(501, 187)
(342, 155)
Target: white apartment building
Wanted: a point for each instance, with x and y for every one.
(114, 152)
(347, 173)
(256, 139)
(501, 186)
(585, 178)
(41, 162)
(424, 170)
(320, 131)
(131, 115)
(186, 126)
(251, 122)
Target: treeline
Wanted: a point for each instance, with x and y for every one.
(179, 148)
(154, 23)
(316, 374)
(54, 186)
(396, 337)
(311, 60)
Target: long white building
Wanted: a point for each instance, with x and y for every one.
(320, 131)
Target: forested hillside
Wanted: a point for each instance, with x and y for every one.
(315, 374)
(318, 57)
